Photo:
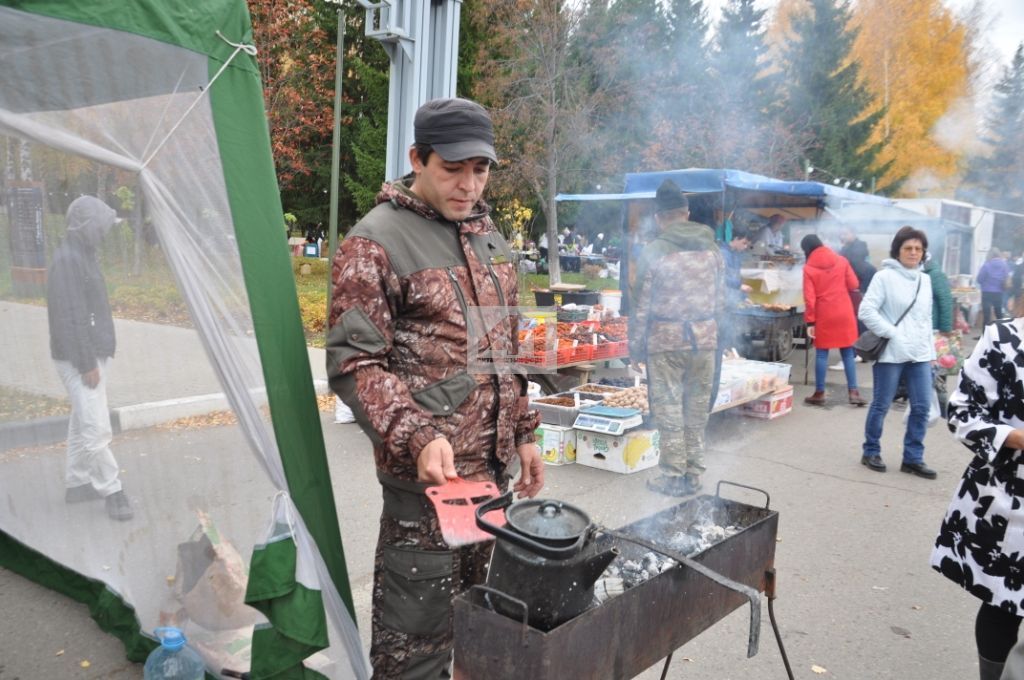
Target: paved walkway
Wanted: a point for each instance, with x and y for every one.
(856, 596)
(154, 364)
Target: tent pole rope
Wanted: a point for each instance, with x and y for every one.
(239, 47)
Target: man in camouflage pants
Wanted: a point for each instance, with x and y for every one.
(677, 296)
(408, 281)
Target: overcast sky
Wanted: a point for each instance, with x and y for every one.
(1006, 18)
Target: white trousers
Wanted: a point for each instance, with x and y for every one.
(89, 458)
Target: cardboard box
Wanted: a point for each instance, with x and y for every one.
(627, 453)
(557, 444)
(774, 405)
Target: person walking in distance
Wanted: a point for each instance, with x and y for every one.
(409, 280)
(678, 296)
(992, 278)
(82, 343)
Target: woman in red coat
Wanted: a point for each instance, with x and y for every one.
(831, 322)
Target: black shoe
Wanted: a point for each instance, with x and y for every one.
(874, 462)
(919, 469)
(673, 485)
(119, 506)
(81, 493)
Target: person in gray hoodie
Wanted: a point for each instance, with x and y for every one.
(82, 342)
(901, 287)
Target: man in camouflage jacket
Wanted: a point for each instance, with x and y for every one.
(678, 295)
(404, 353)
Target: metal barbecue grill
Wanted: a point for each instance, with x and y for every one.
(632, 631)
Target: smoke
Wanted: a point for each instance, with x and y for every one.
(957, 130)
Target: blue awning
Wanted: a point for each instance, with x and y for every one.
(641, 185)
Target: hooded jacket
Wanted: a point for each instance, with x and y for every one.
(678, 292)
(77, 307)
(889, 295)
(408, 289)
(942, 298)
(856, 253)
(828, 280)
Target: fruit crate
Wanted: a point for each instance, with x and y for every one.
(554, 414)
(610, 350)
(571, 355)
(545, 359)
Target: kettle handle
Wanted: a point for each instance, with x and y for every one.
(517, 539)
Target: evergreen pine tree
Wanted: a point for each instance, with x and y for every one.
(823, 96)
(620, 49)
(683, 128)
(369, 135)
(738, 62)
(997, 180)
(745, 95)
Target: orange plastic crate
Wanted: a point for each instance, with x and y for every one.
(610, 350)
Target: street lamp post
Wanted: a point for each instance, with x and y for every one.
(332, 236)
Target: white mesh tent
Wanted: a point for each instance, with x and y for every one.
(156, 108)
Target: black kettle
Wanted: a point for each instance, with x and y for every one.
(544, 556)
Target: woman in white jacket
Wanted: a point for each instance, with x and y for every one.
(899, 284)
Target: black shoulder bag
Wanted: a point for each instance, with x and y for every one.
(869, 345)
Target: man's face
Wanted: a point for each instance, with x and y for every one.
(451, 188)
(739, 244)
(777, 223)
(846, 236)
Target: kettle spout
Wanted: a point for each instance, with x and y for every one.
(594, 566)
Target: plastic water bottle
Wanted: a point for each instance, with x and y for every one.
(173, 659)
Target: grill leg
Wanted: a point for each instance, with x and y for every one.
(664, 672)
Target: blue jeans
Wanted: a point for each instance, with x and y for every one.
(918, 375)
(821, 365)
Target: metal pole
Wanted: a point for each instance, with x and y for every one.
(332, 237)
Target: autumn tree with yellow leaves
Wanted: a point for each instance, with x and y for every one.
(913, 57)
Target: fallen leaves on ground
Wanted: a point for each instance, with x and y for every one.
(324, 403)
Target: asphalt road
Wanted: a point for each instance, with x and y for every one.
(856, 597)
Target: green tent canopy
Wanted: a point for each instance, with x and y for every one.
(156, 108)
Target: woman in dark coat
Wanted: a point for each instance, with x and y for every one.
(980, 543)
(831, 323)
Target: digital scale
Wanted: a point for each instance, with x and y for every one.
(608, 419)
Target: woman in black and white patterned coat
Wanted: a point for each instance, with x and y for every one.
(980, 545)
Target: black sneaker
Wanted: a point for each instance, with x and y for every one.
(81, 493)
(119, 506)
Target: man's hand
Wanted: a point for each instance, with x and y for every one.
(745, 288)
(436, 462)
(91, 378)
(531, 473)
(810, 332)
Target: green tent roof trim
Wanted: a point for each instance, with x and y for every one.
(111, 613)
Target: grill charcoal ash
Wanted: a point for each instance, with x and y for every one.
(700, 536)
(627, 572)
